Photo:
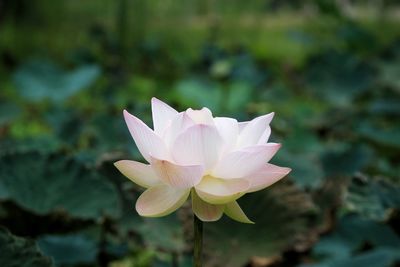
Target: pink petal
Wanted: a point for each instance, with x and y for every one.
(234, 211)
(198, 145)
(255, 131)
(162, 115)
(161, 200)
(267, 176)
(176, 175)
(202, 116)
(146, 140)
(205, 211)
(220, 191)
(177, 126)
(243, 162)
(138, 173)
(228, 129)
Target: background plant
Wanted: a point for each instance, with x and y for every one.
(329, 69)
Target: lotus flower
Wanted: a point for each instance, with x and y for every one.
(216, 160)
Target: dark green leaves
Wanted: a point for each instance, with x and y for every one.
(52, 183)
(69, 250)
(20, 252)
(373, 199)
(276, 225)
(345, 246)
(338, 77)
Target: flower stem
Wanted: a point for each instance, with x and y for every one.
(198, 242)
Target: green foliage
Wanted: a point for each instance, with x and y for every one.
(41, 79)
(373, 199)
(19, 252)
(344, 246)
(69, 250)
(331, 78)
(277, 224)
(8, 112)
(199, 94)
(338, 77)
(53, 183)
(172, 237)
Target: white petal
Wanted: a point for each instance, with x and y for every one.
(161, 200)
(162, 115)
(234, 211)
(241, 163)
(265, 136)
(220, 191)
(138, 173)
(202, 116)
(176, 175)
(198, 145)
(267, 176)
(177, 126)
(205, 211)
(242, 125)
(148, 142)
(228, 129)
(255, 131)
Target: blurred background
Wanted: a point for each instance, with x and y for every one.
(329, 69)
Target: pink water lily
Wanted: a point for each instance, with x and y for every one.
(215, 159)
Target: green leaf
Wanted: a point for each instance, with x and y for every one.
(8, 112)
(69, 250)
(351, 234)
(37, 80)
(382, 257)
(19, 252)
(372, 198)
(338, 77)
(198, 94)
(390, 73)
(386, 136)
(280, 214)
(238, 96)
(301, 152)
(344, 159)
(171, 238)
(385, 107)
(48, 183)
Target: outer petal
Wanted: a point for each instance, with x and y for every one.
(219, 191)
(198, 145)
(146, 140)
(205, 211)
(265, 177)
(255, 131)
(228, 129)
(162, 115)
(234, 211)
(138, 173)
(161, 200)
(241, 163)
(176, 175)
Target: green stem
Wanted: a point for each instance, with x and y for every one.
(198, 242)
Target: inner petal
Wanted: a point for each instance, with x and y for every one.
(202, 116)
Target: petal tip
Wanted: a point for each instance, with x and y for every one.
(155, 100)
(117, 163)
(126, 114)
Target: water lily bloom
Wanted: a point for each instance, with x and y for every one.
(216, 160)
